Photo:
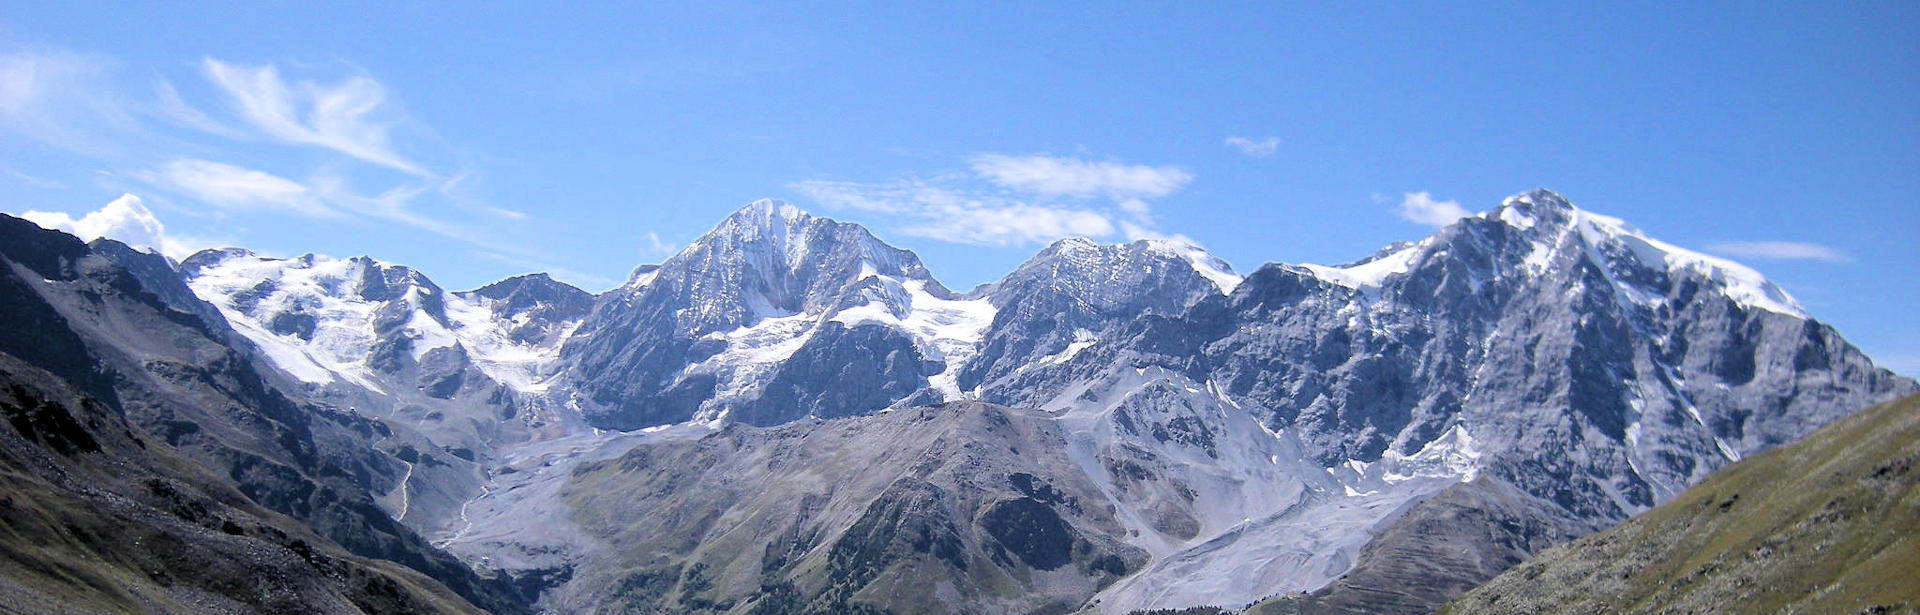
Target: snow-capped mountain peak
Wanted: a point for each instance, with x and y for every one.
(358, 319)
(1203, 263)
(1637, 263)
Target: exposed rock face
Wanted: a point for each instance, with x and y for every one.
(1822, 525)
(540, 310)
(1538, 345)
(1075, 292)
(841, 371)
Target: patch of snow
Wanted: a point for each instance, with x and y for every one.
(949, 330)
(309, 286)
(1203, 263)
(641, 280)
(1370, 274)
(516, 365)
(1514, 217)
(427, 334)
(750, 356)
(1082, 339)
(288, 357)
(1741, 283)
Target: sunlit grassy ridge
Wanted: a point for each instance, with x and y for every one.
(1825, 525)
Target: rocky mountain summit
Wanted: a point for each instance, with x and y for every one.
(791, 415)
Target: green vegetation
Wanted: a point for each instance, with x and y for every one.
(1825, 525)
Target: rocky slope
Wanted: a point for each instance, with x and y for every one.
(1824, 525)
(963, 507)
(183, 377)
(1441, 547)
(100, 519)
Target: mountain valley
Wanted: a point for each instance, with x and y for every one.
(791, 416)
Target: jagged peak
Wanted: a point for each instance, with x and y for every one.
(1535, 208)
(511, 284)
(766, 213)
(1554, 223)
(1211, 267)
(1071, 243)
(1085, 250)
(212, 256)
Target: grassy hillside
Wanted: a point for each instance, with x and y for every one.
(1825, 525)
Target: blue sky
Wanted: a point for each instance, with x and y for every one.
(480, 142)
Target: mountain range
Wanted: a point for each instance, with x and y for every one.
(790, 415)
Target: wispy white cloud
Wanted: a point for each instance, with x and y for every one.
(955, 214)
(657, 248)
(233, 187)
(1257, 148)
(125, 219)
(1003, 200)
(1779, 250)
(179, 136)
(344, 117)
(1062, 176)
(170, 105)
(33, 180)
(323, 195)
(1420, 207)
(60, 98)
(396, 204)
(458, 190)
(1010, 224)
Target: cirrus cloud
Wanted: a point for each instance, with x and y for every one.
(1053, 175)
(1780, 250)
(1007, 200)
(1255, 148)
(231, 187)
(340, 117)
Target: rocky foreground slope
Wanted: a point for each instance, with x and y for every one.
(99, 519)
(1824, 525)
